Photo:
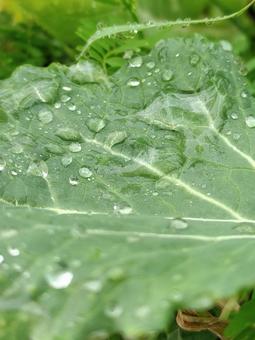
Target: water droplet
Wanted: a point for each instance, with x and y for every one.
(66, 160)
(94, 286)
(116, 274)
(71, 107)
(116, 137)
(14, 173)
(167, 75)
(59, 280)
(13, 251)
(244, 94)
(136, 62)
(17, 149)
(250, 121)
(142, 312)
(236, 136)
(150, 65)
(226, 45)
(179, 224)
(1, 259)
(194, 59)
(114, 311)
(57, 105)
(38, 169)
(125, 211)
(65, 98)
(234, 115)
(45, 116)
(133, 82)
(128, 54)
(68, 134)
(67, 88)
(85, 172)
(2, 164)
(95, 125)
(75, 147)
(73, 180)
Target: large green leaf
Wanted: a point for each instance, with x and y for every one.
(124, 198)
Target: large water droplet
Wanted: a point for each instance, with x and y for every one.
(2, 164)
(75, 147)
(13, 251)
(59, 280)
(66, 160)
(116, 137)
(133, 82)
(136, 62)
(45, 116)
(167, 75)
(250, 121)
(73, 180)
(68, 134)
(179, 224)
(85, 172)
(38, 169)
(94, 286)
(194, 59)
(95, 125)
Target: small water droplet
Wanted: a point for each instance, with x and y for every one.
(2, 164)
(133, 82)
(66, 160)
(85, 172)
(68, 134)
(64, 98)
(67, 88)
(95, 125)
(73, 180)
(136, 62)
(57, 105)
(142, 312)
(150, 65)
(75, 147)
(71, 107)
(114, 311)
(250, 121)
(94, 286)
(194, 59)
(128, 54)
(14, 173)
(244, 94)
(59, 280)
(167, 75)
(1, 258)
(45, 116)
(234, 115)
(179, 224)
(125, 211)
(13, 251)
(236, 136)
(38, 169)
(226, 45)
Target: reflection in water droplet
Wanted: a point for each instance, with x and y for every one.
(133, 82)
(73, 180)
(1, 258)
(167, 75)
(39, 169)
(66, 160)
(95, 125)
(234, 115)
(75, 147)
(150, 65)
(2, 164)
(194, 59)
(85, 172)
(45, 116)
(136, 62)
(114, 311)
(250, 121)
(179, 224)
(59, 280)
(94, 286)
(13, 251)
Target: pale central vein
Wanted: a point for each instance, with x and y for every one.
(169, 178)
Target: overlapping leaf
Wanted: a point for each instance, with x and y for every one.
(125, 198)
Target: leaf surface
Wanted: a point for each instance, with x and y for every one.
(125, 198)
